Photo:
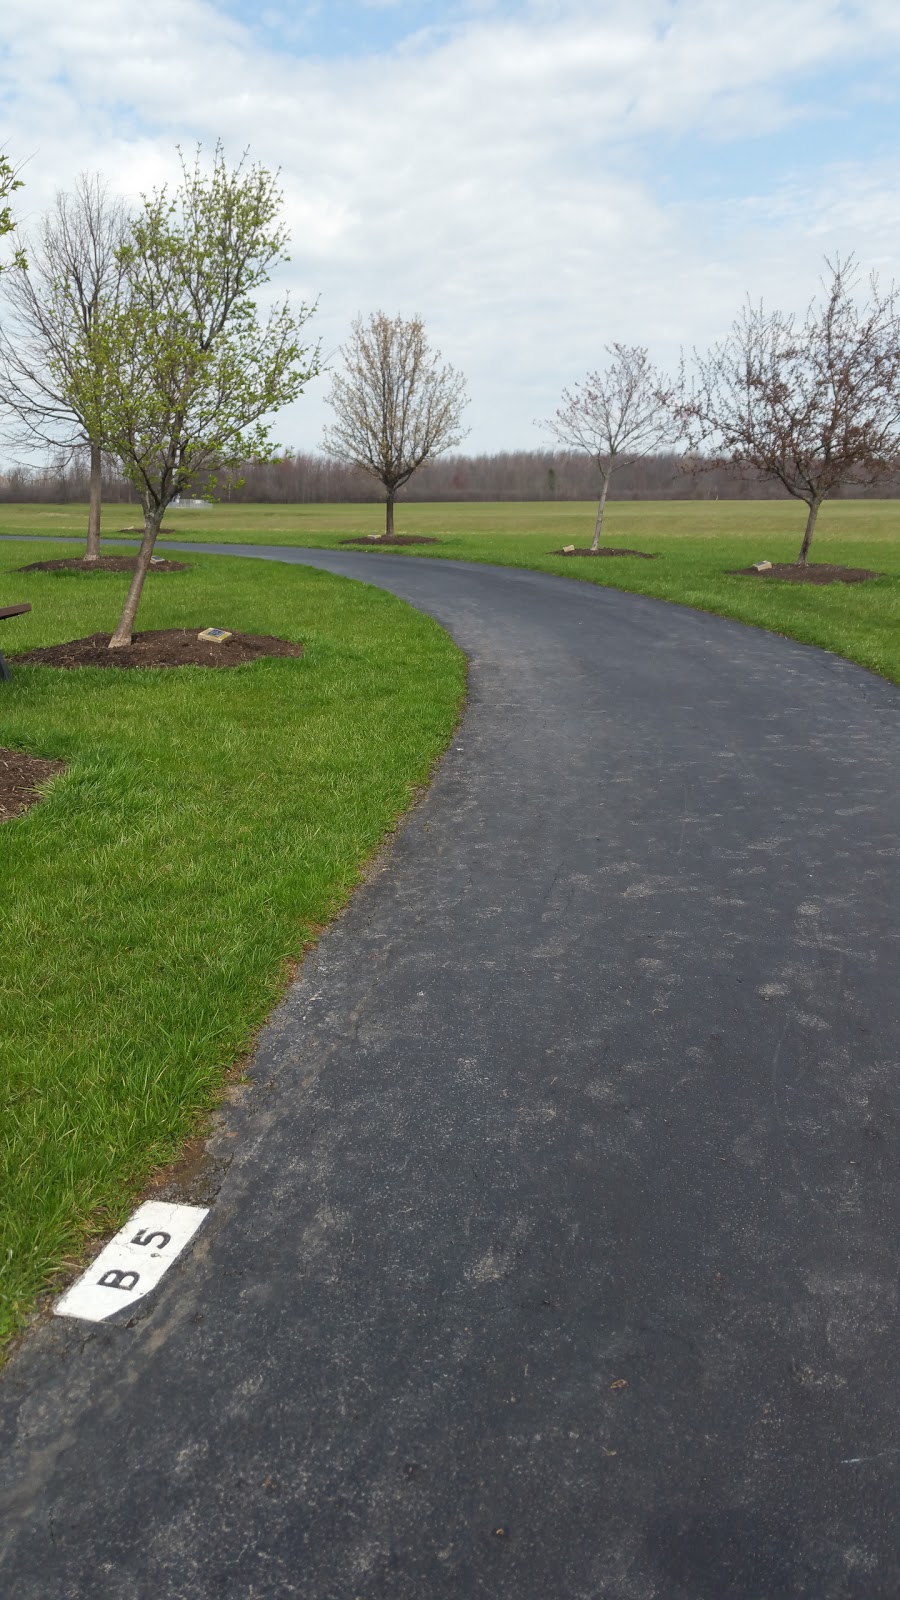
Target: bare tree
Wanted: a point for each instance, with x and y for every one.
(395, 406)
(617, 416)
(74, 273)
(178, 375)
(814, 404)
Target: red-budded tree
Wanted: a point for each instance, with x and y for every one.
(813, 403)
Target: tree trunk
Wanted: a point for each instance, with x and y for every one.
(810, 530)
(92, 548)
(595, 546)
(122, 636)
(389, 515)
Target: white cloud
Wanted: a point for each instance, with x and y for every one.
(500, 180)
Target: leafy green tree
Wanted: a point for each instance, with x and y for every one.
(9, 182)
(189, 368)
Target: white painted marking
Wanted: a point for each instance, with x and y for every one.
(133, 1262)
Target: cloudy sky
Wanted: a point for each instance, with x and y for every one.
(534, 177)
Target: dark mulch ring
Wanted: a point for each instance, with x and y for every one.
(396, 538)
(102, 564)
(817, 572)
(606, 550)
(164, 647)
(19, 777)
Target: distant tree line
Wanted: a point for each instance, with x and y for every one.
(307, 479)
(63, 482)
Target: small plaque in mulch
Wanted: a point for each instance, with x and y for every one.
(395, 539)
(102, 564)
(19, 778)
(606, 550)
(164, 647)
(139, 528)
(818, 572)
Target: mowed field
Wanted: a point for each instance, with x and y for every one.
(696, 543)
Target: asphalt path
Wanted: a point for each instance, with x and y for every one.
(553, 1256)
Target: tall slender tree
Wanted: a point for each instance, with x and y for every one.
(48, 313)
(395, 407)
(617, 417)
(812, 404)
(179, 376)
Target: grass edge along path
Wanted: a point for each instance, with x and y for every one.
(697, 542)
(208, 823)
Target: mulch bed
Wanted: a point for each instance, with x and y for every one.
(819, 572)
(19, 775)
(606, 550)
(164, 647)
(102, 564)
(396, 538)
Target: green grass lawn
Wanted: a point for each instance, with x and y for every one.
(697, 542)
(208, 822)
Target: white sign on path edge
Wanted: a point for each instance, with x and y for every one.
(133, 1262)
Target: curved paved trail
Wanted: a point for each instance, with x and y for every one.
(555, 1260)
